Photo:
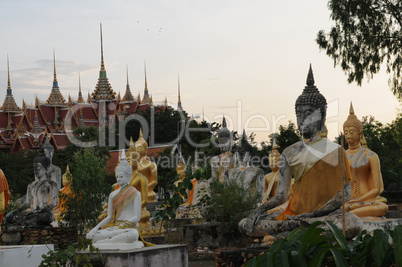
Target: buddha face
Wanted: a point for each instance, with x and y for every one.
(244, 155)
(274, 163)
(352, 136)
(39, 171)
(224, 143)
(141, 150)
(308, 120)
(122, 177)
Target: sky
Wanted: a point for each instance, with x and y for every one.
(247, 60)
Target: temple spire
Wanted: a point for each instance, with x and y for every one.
(9, 104)
(145, 99)
(55, 99)
(128, 96)
(103, 89)
(9, 91)
(80, 98)
(179, 106)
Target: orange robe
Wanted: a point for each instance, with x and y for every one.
(318, 185)
(4, 188)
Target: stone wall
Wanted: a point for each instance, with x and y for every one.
(60, 237)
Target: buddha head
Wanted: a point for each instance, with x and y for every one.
(274, 157)
(48, 149)
(141, 145)
(67, 178)
(352, 128)
(123, 171)
(311, 109)
(132, 155)
(224, 137)
(180, 169)
(41, 163)
(245, 149)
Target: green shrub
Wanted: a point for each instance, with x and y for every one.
(315, 246)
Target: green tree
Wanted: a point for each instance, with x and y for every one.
(89, 189)
(366, 33)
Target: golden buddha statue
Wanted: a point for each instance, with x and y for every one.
(4, 195)
(139, 181)
(67, 179)
(367, 183)
(180, 169)
(147, 167)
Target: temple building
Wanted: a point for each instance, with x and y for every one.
(24, 128)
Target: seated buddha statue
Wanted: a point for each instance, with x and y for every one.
(4, 195)
(40, 199)
(64, 192)
(221, 164)
(246, 175)
(147, 167)
(321, 175)
(367, 183)
(180, 170)
(53, 171)
(119, 229)
(271, 179)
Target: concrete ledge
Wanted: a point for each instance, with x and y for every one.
(23, 255)
(155, 256)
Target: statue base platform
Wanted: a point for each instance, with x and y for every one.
(371, 224)
(23, 255)
(155, 256)
(119, 246)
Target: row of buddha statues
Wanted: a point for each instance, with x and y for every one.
(309, 181)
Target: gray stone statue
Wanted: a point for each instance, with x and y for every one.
(246, 175)
(318, 165)
(53, 172)
(41, 198)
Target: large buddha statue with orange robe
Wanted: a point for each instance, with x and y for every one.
(367, 183)
(4, 195)
(147, 167)
(319, 167)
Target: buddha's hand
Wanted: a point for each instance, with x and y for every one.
(301, 216)
(10, 216)
(92, 233)
(252, 219)
(354, 200)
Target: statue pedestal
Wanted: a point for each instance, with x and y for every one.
(155, 256)
(387, 224)
(23, 255)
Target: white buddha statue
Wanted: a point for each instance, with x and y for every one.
(119, 229)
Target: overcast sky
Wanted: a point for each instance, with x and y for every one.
(245, 59)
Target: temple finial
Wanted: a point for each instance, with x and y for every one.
(127, 75)
(80, 98)
(310, 77)
(54, 69)
(102, 62)
(179, 106)
(146, 83)
(351, 110)
(8, 81)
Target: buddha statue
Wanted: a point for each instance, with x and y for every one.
(140, 182)
(367, 183)
(147, 167)
(180, 170)
(65, 192)
(4, 195)
(271, 179)
(246, 175)
(119, 229)
(53, 171)
(221, 164)
(321, 175)
(40, 199)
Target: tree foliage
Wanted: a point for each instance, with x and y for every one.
(366, 33)
(89, 190)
